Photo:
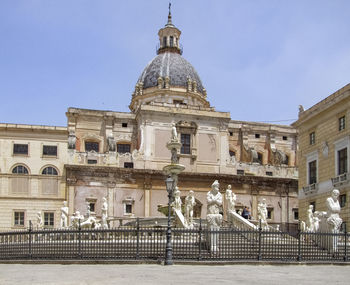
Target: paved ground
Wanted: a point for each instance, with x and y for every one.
(177, 274)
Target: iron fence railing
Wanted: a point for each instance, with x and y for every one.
(148, 243)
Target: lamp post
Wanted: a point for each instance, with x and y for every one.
(169, 182)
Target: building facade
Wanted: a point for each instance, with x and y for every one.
(120, 156)
(324, 144)
(32, 177)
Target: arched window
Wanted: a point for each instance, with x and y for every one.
(171, 41)
(260, 158)
(232, 153)
(49, 171)
(20, 169)
(164, 41)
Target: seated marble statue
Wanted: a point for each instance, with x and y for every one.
(76, 219)
(190, 202)
(333, 209)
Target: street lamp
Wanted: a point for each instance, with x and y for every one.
(169, 182)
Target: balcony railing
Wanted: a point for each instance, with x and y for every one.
(309, 189)
(341, 179)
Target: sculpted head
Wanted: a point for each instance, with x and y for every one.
(215, 186)
(65, 203)
(311, 207)
(335, 194)
(191, 193)
(104, 199)
(229, 187)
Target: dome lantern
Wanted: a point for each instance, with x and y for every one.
(169, 38)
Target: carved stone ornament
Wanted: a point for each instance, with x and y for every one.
(325, 149)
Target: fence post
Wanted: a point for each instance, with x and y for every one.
(137, 238)
(30, 239)
(260, 229)
(299, 243)
(200, 240)
(79, 240)
(345, 242)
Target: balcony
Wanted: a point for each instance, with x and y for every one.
(312, 188)
(340, 180)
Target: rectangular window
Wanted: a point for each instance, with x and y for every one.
(342, 200)
(296, 214)
(123, 148)
(231, 134)
(285, 138)
(341, 123)
(128, 165)
(342, 161)
(269, 213)
(240, 172)
(92, 206)
(92, 161)
(313, 204)
(20, 149)
(50, 150)
(186, 143)
(124, 125)
(312, 172)
(257, 136)
(128, 209)
(269, 173)
(312, 138)
(18, 219)
(92, 146)
(48, 219)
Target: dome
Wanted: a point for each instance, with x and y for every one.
(172, 65)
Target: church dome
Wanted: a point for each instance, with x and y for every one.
(169, 79)
(173, 66)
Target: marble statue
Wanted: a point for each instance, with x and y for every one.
(142, 129)
(76, 219)
(331, 222)
(71, 140)
(214, 218)
(333, 209)
(231, 202)
(111, 142)
(88, 212)
(190, 202)
(39, 220)
(174, 133)
(310, 219)
(104, 210)
(262, 214)
(177, 200)
(64, 215)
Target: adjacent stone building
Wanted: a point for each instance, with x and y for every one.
(32, 174)
(121, 155)
(324, 144)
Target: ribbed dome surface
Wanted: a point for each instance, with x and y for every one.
(172, 65)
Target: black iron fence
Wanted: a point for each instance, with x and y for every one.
(141, 243)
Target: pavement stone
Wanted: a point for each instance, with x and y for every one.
(134, 274)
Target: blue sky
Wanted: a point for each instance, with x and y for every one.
(258, 59)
